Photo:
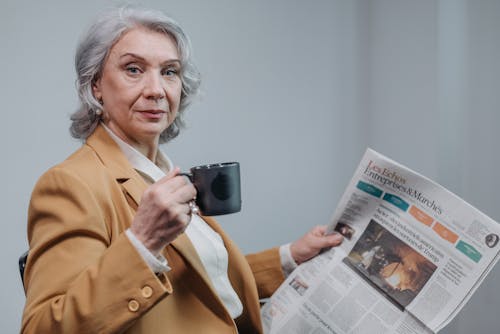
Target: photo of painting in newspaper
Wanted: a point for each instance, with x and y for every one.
(390, 265)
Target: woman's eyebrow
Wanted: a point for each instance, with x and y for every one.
(171, 61)
(130, 54)
(134, 55)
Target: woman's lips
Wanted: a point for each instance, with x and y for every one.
(152, 114)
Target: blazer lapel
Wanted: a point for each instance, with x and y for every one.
(134, 189)
(184, 246)
(117, 164)
(239, 272)
(210, 296)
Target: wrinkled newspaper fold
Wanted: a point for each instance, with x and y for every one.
(413, 254)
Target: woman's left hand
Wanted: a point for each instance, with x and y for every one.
(309, 245)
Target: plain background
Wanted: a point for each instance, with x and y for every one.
(293, 90)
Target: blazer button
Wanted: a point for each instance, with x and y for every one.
(147, 291)
(133, 305)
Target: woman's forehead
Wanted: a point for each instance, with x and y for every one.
(146, 43)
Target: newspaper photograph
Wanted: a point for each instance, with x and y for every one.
(412, 256)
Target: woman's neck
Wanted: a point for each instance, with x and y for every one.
(150, 151)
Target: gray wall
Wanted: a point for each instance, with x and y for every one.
(295, 91)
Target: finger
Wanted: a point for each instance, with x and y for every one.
(181, 217)
(326, 240)
(186, 176)
(319, 230)
(189, 215)
(188, 208)
(185, 193)
(173, 184)
(332, 240)
(194, 210)
(172, 174)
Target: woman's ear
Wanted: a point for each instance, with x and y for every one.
(96, 90)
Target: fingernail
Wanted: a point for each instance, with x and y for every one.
(338, 237)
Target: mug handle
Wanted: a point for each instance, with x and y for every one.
(188, 175)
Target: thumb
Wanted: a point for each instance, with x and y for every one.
(331, 240)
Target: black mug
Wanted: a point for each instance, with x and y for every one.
(218, 188)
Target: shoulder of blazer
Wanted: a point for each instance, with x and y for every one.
(100, 151)
(100, 163)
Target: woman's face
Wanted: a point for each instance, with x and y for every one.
(140, 86)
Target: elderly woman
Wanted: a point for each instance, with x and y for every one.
(115, 246)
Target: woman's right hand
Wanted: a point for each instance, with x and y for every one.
(164, 211)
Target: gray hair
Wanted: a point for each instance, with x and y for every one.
(94, 48)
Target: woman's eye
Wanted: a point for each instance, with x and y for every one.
(133, 69)
(170, 72)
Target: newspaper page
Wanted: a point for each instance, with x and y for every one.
(413, 254)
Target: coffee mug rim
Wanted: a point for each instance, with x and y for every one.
(218, 164)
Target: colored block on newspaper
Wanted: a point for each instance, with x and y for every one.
(396, 201)
(445, 233)
(421, 216)
(469, 250)
(370, 189)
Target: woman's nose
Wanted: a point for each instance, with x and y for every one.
(153, 86)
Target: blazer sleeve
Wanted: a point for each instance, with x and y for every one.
(266, 268)
(82, 275)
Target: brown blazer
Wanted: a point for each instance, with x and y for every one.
(84, 276)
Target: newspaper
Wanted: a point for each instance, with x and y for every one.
(413, 254)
